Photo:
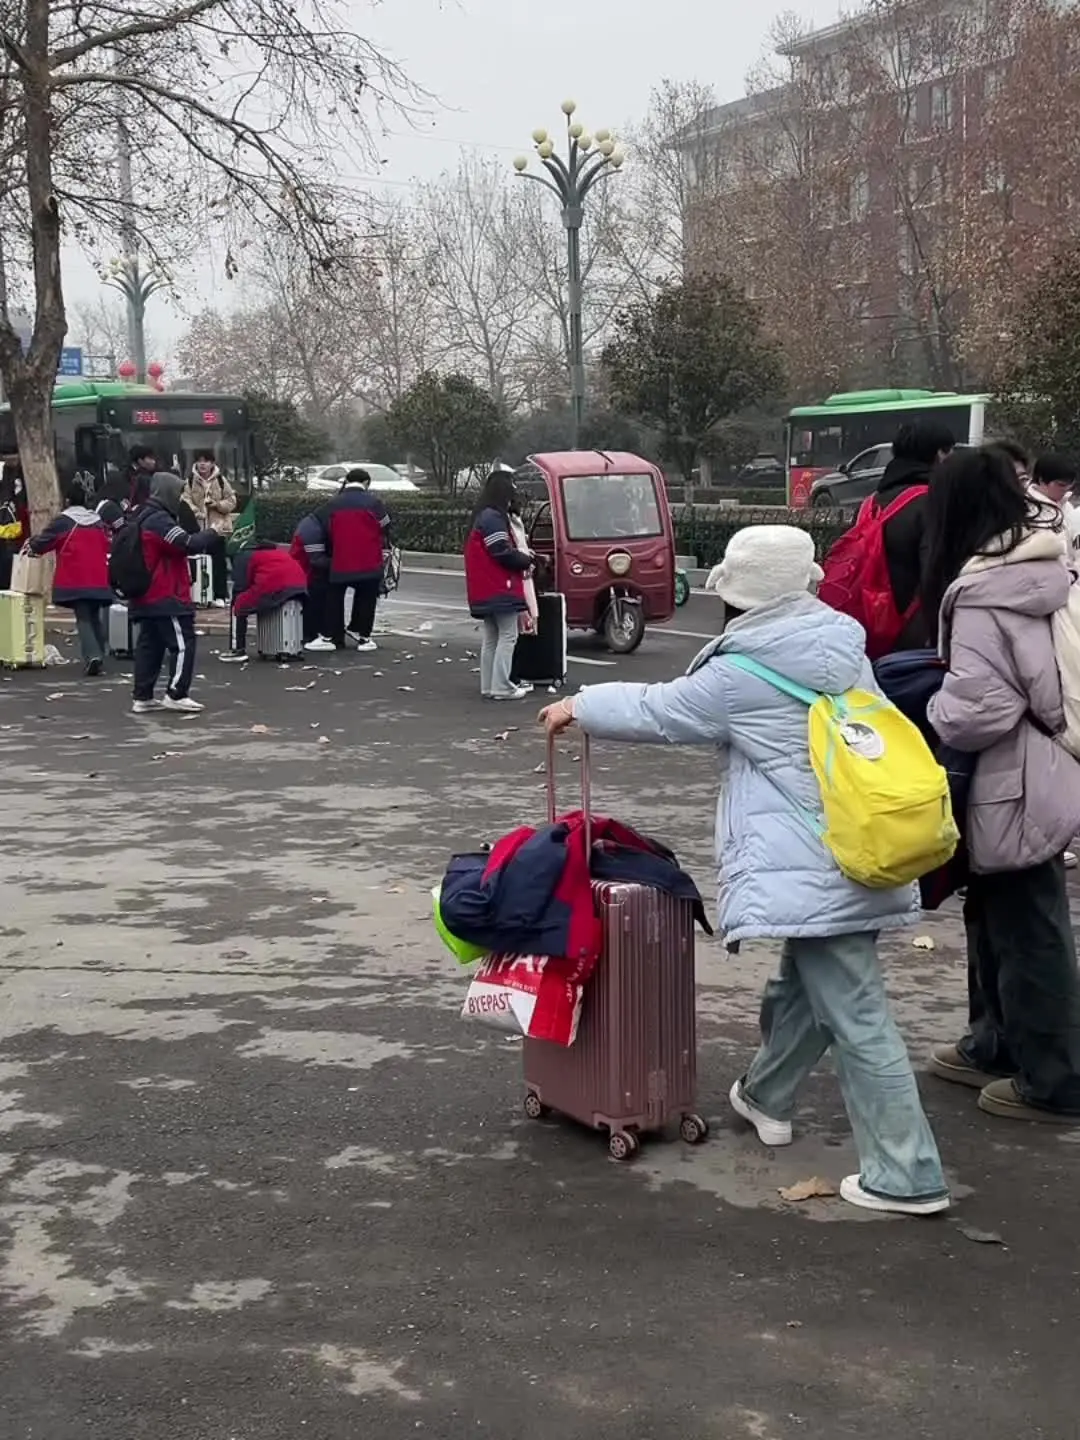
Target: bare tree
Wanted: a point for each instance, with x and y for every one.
(478, 225)
(100, 326)
(237, 107)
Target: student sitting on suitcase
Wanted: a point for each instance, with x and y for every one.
(265, 577)
(81, 542)
(165, 610)
(778, 880)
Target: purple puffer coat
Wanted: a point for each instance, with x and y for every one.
(996, 638)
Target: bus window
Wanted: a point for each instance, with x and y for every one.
(819, 447)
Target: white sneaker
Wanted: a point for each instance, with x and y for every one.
(218, 604)
(1070, 860)
(320, 646)
(518, 693)
(187, 706)
(852, 1191)
(233, 657)
(773, 1133)
(144, 707)
(366, 646)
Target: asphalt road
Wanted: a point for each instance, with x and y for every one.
(258, 1180)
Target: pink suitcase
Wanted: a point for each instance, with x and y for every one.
(633, 1066)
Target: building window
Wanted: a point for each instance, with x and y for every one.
(941, 105)
(860, 195)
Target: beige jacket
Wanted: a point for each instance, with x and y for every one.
(213, 501)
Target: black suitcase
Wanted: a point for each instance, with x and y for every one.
(541, 658)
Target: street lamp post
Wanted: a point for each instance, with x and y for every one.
(589, 159)
(125, 273)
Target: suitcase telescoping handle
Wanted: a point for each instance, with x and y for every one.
(586, 786)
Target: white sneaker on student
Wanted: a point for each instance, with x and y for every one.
(365, 646)
(773, 1133)
(518, 693)
(186, 706)
(852, 1191)
(320, 646)
(144, 707)
(233, 657)
(219, 604)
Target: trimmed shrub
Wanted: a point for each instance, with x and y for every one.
(440, 527)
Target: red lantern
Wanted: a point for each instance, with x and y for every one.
(126, 370)
(158, 385)
(155, 370)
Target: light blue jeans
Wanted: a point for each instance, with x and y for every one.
(830, 994)
(497, 652)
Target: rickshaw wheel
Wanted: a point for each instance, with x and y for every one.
(623, 628)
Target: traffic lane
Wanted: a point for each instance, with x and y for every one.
(438, 598)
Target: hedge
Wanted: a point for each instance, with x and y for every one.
(440, 528)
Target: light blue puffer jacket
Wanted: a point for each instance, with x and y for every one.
(775, 876)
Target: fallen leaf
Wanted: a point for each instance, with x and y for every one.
(425, 625)
(923, 942)
(58, 696)
(234, 954)
(408, 688)
(813, 1189)
(396, 890)
(309, 686)
(503, 735)
(539, 769)
(981, 1237)
(377, 672)
(324, 739)
(260, 729)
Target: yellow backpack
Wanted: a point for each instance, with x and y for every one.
(886, 815)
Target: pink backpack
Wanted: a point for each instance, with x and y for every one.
(857, 575)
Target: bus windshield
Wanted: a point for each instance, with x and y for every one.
(611, 507)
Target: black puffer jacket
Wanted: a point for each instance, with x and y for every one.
(905, 546)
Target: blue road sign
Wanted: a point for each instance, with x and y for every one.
(71, 360)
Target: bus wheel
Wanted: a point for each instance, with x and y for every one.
(623, 625)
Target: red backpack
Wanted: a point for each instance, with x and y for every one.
(857, 575)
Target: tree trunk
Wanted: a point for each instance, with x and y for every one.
(29, 378)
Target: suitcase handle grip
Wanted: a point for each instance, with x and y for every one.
(586, 786)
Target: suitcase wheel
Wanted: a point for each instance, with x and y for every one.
(622, 1145)
(535, 1108)
(693, 1129)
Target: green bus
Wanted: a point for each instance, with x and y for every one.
(95, 424)
(821, 438)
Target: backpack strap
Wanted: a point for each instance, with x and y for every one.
(902, 501)
(774, 678)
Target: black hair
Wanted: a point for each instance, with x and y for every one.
(923, 440)
(357, 477)
(497, 493)
(141, 452)
(205, 455)
(974, 499)
(1013, 452)
(1054, 470)
(74, 490)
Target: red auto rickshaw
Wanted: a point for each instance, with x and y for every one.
(600, 525)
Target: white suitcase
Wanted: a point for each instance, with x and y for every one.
(121, 632)
(280, 633)
(202, 585)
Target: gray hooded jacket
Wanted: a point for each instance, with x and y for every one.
(1002, 699)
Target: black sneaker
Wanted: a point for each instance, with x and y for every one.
(94, 667)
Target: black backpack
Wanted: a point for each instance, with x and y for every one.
(129, 574)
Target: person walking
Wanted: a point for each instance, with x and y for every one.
(495, 576)
(917, 448)
(212, 501)
(355, 523)
(995, 575)
(81, 582)
(165, 612)
(777, 878)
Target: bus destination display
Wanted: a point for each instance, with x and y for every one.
(177, 416)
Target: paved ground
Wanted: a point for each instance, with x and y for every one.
(258, 1181)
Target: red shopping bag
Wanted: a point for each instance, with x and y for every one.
(533, 995)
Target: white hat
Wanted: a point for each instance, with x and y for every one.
(763, 562)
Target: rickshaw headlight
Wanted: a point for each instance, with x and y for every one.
(577, 568)
(619, 563)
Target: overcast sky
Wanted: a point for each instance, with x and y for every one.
(499, 68)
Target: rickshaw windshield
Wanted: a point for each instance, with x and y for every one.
(611, 507)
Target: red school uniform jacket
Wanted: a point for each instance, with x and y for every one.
(81, 543)
(355, 522)
(273, 576)
(166, 547)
